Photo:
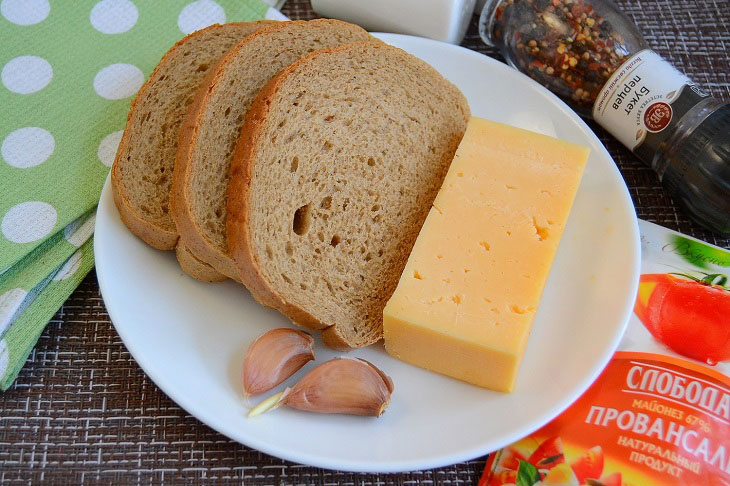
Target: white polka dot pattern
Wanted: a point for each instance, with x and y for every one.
(200, 14)
(118, 81)
(28, 221)
(26, 74)
(27, 147)
(108, 148)
(25, 12)
(70, 267)
(80, 230)
(113, 16)
(10, 302)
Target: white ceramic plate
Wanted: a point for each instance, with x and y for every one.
(190, 337)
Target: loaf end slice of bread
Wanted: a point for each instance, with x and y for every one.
(142, 170)
(340, 159)
(194, 267)
(213, 124)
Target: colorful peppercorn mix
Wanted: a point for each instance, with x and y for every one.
(565, 45)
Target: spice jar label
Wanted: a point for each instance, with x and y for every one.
(642, 98)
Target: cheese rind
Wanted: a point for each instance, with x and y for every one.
(465, 303)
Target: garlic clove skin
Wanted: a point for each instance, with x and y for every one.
(275, 356)
(342, 385)
(386, 379)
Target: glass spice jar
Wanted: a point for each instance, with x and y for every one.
(593, 57)
(569, 46)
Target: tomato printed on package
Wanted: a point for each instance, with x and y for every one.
(659, 414)
(688, 314)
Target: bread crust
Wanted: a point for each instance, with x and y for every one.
(179, 203)
(240, 240)
(148, 232)
(194, 267)
(153, 234)
(237, 223)
(181, 194)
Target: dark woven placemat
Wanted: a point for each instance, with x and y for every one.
(82, 411)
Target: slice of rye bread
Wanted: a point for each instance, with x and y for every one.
(142, 170)
(213, 124)
(340, 159)
(195, 267)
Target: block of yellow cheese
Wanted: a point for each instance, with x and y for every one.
(468, 295)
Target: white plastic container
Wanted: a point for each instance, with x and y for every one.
(444, 20)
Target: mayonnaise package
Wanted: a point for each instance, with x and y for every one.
(659, 414)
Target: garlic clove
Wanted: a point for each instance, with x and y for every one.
(342, 385)
(275, 356)
(386, 378)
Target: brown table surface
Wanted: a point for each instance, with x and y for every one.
(82, 411)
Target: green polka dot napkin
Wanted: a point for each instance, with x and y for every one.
(68, 71)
